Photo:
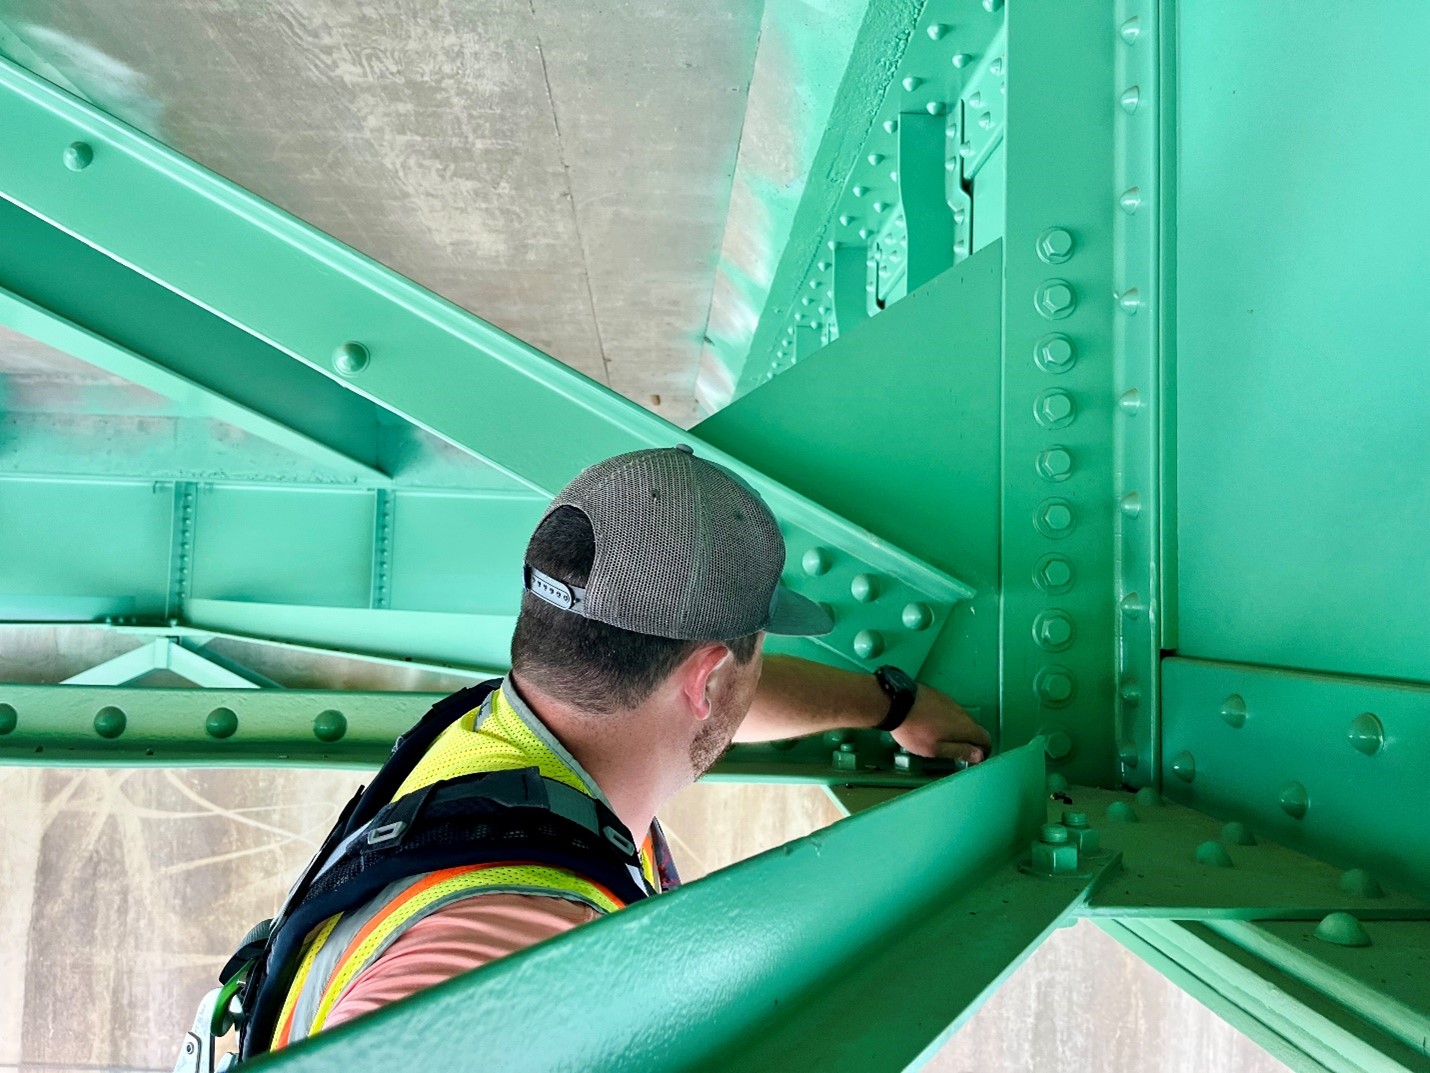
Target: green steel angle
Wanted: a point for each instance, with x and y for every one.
(62, 334)
(1293, 1021)
(90, 722)
(1138, 382)
(207, 363)
(924, 77)
(1386, 981)
(345, 315)
(1058, 502)
(776, 951)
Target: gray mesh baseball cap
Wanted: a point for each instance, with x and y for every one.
(685, 549)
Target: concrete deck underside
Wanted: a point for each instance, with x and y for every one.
(559, 168)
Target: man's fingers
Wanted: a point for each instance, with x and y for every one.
(980, 737)
(960, 750)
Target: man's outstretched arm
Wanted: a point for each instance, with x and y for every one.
(798, 697)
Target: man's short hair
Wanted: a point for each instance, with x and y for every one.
(578, 660)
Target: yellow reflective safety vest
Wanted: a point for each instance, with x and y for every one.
(497, 751)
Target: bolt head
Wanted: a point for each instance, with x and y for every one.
(1054, 686)
(1055, 518)
(78, 156)
(109, 722)
(864, 588)
(1053, 630)
(815, 561)
(1054, 573)
(1055, 354)
(1055, 409)
(1055, 245)
(1184, 766)
(962, 60)
(351, 358)
(330, 726)
(1055, 299)
(1366, 734)
(868, 644)
(917, 616)
(1233, 711)
(1055, 464)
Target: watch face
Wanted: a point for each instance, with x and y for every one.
(897, 678)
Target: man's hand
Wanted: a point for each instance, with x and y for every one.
(936, 726)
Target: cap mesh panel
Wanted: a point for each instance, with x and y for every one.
(684, 549)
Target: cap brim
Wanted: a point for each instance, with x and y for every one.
(794, 615)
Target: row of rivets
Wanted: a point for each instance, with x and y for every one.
(1133, 643)
(867, 588)
(1053, 629)
(111, 721)
(1366, 733)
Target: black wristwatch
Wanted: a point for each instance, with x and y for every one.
(901, 690)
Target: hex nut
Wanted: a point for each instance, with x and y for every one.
(1054, 686)
(1053, 630)
(1055, 518)
(1054, 408)
(1053, 574)
(1054, 853)
(1055, 299)
(1055, 245)
(1055, 464)
(1055, 353)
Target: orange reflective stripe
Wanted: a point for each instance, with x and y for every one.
(396, 914)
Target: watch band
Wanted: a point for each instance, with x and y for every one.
(901, 690)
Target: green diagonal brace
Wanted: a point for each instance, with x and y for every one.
(850, 950)
(309, 297)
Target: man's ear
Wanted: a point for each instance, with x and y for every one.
(696, 673)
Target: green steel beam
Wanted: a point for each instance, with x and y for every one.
(1309, 1029)
(58, 290)
(88, 724)
(877, 185)
(1059, 497)
(188, 380)
(1328, 764)
(296, 292)
(801, 957)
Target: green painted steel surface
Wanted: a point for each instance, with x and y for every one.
(1334, 766)
(800, 956)
(96, 719)
(871, 456)
(1085, 366)
(1295, 1021)
(342, 315)
(1302, 388)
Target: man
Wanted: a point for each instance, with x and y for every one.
(636, 660)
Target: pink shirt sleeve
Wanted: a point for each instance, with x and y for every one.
(463, 936)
